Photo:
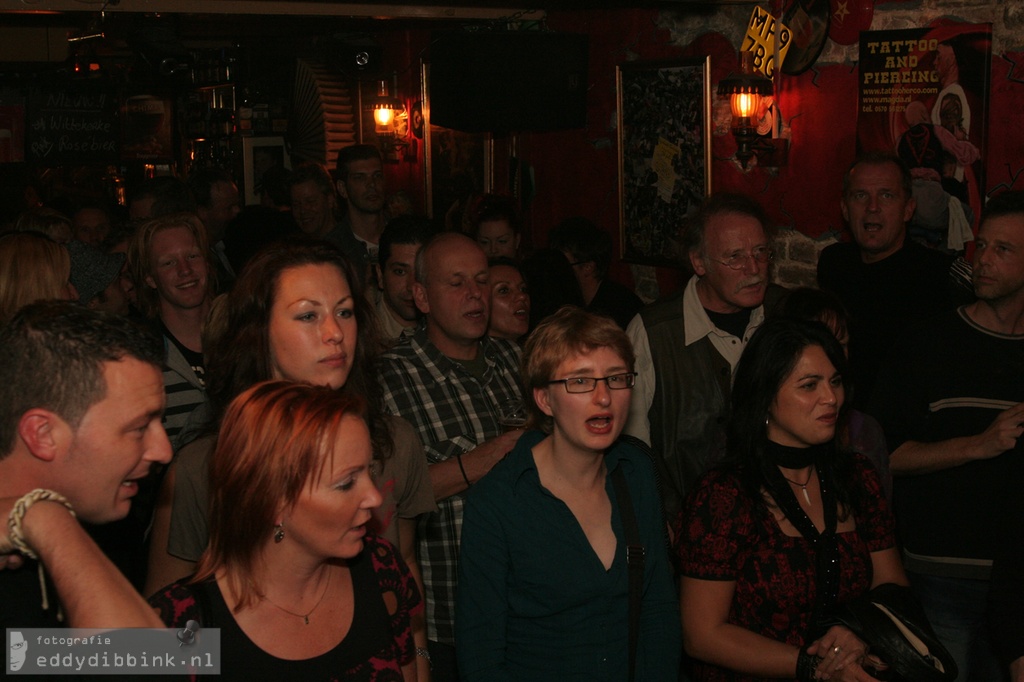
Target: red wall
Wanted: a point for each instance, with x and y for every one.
(576, 172)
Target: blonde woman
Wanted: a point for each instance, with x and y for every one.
(33, 267)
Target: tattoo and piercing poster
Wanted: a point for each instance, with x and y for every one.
(924, 95)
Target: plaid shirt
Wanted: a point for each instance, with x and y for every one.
(453, 412)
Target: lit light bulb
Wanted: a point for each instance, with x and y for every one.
(745, 104)
(383, 117)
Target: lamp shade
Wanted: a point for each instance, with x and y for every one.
(746, 88)
(384, 106)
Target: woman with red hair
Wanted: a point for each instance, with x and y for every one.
(290, 546)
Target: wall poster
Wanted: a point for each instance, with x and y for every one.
(664, 122)
(924, 95)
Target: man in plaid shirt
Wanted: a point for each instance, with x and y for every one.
(448, 380)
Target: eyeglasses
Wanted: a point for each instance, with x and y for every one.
(761, 254)
(615, 382)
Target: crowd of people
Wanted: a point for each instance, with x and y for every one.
(365, 448)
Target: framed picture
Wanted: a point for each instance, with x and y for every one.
(459, 166)
(664, 122)
(259, 155)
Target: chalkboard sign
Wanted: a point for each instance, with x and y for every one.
(72, 126)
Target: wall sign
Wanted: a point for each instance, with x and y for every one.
(68, 126)
(924, 95)
(761, 37)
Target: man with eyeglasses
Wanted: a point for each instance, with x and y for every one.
(886, 281)
(688, 344)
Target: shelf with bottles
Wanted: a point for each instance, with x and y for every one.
(259, 114)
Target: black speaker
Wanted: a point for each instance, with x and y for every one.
(503, 82)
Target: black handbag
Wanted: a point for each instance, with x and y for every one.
(893, 624)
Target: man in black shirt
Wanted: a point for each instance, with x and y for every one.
(79, 428)
(885, 280)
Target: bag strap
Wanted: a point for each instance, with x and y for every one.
(634, 560)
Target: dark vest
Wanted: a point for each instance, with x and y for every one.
(691, 401)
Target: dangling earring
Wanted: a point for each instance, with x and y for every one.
(766, 422)
(279, 532)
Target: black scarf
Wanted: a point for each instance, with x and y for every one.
(825, 544)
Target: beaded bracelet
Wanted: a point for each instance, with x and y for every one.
(17, 533)
(458, 458)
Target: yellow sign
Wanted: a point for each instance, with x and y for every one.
(760, 39)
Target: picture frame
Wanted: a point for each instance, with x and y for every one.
(458, 166)
(664, 135)
(260, 154)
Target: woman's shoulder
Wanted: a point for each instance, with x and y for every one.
(721, 478)
(867, 475)
(719, 493)
(636, 452)
(178, 603)
(195, 456)
(400, 428)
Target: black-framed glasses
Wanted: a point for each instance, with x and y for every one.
(615, 382)
(736, 261)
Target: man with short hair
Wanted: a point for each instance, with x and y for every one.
(950, 398)
(399, 244)
(91, 224)
(217, 204)
(448, 380)
(360, 182)
(160, 196)
(168, 258)
(313, 199)
(688, 344)
(79, 416)
(589, 250)
(885, 280)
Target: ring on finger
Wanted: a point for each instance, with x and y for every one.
(836, 649)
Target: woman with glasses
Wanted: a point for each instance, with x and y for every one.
(544, 589)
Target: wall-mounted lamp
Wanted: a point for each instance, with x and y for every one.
(391, 121)
(747, 91)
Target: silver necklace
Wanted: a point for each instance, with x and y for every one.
(304, 616)
(803, 486)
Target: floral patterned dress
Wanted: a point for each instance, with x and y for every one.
(723, 535)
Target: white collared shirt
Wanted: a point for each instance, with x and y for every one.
(696, 325)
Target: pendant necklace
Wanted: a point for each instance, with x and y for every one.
(803, 486)
(304, 616)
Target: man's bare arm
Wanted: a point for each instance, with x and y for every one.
(915, 457)
(93, 592)
(446, 477)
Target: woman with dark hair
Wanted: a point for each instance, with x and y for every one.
(790, 526)
(495, 226)
(296, 312)
(294, 577)
(510, 301)
(544, 581)
(858, 432)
